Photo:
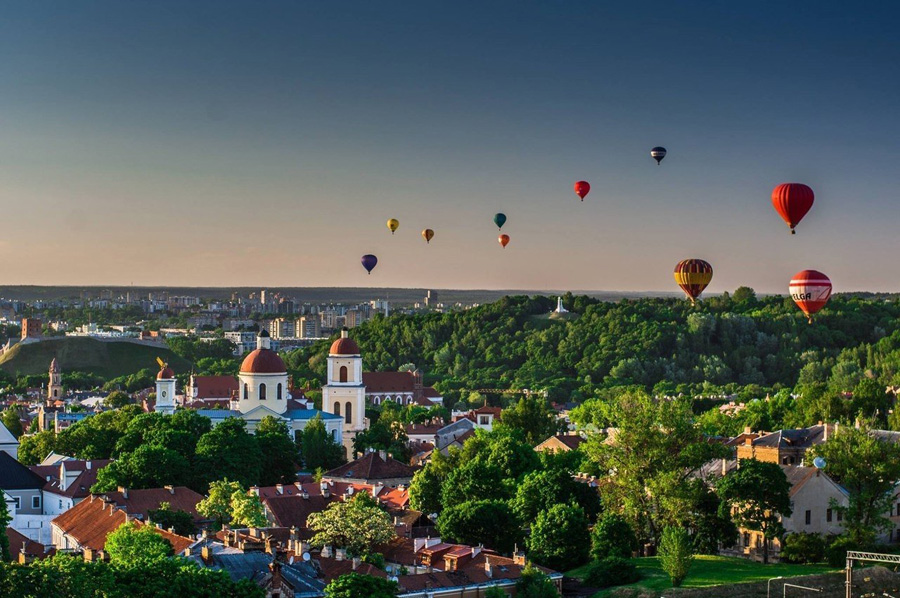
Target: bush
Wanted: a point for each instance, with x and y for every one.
(802, 548)
(611, 571)
(836, 553)
(612, 536)
(675, 553)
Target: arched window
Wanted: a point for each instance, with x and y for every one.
(343, 374)
(262, 392)
(278, 392)
(377, 401)
(246, 391)
(337, 408)
(348, 412)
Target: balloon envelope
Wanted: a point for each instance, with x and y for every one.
(582, 188)
(504, 240)
(499, 220)
(658, 153)
(792, 201)
(393, 224)
(427, 234)
(810, 290)
(693, 275)
(369, 261)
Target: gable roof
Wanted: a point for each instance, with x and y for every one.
(16, 542)
(15, 476)
(6, 436)
(140, 502)
(795, 438)
(214, 387)
(378, 382)
(371, 467)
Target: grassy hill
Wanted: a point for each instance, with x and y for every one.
(106, 359)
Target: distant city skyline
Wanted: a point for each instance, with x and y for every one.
(234, 144)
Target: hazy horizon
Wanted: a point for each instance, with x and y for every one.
(238, 145)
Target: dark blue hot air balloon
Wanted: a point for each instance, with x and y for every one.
(499, 220)
(369, 261)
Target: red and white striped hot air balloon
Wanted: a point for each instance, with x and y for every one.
(810, 290)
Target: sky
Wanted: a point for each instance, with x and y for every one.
(266, 143)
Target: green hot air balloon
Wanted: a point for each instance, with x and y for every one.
(499, 220)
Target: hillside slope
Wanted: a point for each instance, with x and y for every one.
(106, 359)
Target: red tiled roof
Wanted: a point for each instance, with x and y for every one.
(140, 502)
(263, 361)
(16, 540)
(430, 393)
(214, 387)
(371, 467)
(377, 382)
(344, 346)
(289, 508)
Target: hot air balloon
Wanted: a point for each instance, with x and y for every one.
(792, 201)
(582, 188)
(658, 153)
(499, 219)
(810, 290)
(504, 240)
(427, 234)
(369, 261)
(693, 276)
(393, 224)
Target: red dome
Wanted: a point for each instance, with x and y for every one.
(165, 374)
(263, 361)
(344, 346)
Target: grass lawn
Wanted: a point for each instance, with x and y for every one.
(711, 571)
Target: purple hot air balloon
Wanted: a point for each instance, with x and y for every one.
(368, 262)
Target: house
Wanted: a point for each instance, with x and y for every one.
(561, 443)
(8, 442)
(24, 549)
(22, 485)
(372, 468)
(86, 526)
(785, 447)
(68, 481)
(483, 417)
(403, 388)
(453, 433)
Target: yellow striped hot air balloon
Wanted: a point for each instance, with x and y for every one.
(693, 276)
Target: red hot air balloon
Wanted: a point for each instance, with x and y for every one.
(792, 201)
(810, 290)
(368, 262)
(693, 276)
(504, 240)
(582, 188)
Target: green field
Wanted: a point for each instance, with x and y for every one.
(106, 359)
(709, 571)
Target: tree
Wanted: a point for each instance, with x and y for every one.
(757, 495)
(541, 490)
(228, 451)
(488, 522)
(247, 510)
(10, 419)
(612, 537)
(116, 399)
(130, 543)
(148, 467)
(318, 448)
(355, 585)
(425, 490)
(868, 468)
(5, 518)
(675, 554)
(532, 416)
(495, 592)
(181, 522)
(535, 584)
(217, 504)
(280, 452)
(358, 525)
(34, 447)
(559, 538)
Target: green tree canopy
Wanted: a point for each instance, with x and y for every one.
(131, 543)
(559, 538)
(488, 522)
(355, 585)
(358, 525)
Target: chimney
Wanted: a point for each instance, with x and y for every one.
(124, 491)
(279, 488)
(356, 562)
(326, 552)
(488, 569)
(340, 554)
(254, 490)
(383, 455)
(304, 494)
(171, 489)
(724, 466)
(87, 464)
(206, 555)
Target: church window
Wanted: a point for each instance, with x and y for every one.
(246, 391)
(348, 413)
(262, 392)
(343, 374)
(337, 408)
(278, 392)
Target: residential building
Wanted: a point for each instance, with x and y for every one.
(68, 481)
(562, 443)
(307, 327)
(372, 468)
(403, 388)
(22, 485)
(785, 447)
(8, 443)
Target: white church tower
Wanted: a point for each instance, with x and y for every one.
(344, 393)
(165, 390)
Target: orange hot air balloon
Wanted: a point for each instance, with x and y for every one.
(582, 188)
(427, 234)
(693, 276)
(393, 224)
(792, 201)
(504, 240)
(810, 290)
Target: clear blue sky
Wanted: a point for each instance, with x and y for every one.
(254, 143)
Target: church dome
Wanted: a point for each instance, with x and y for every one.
(165, 374)
(263, 361)
(344, 345)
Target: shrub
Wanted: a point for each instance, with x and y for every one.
(675, 553)
(836, 553)
(803, 548)
(612, 536)
(611, 571)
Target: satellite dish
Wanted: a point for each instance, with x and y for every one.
(819, 462)
(306, 556)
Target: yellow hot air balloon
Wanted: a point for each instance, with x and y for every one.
(393, 224)
(427, 234)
